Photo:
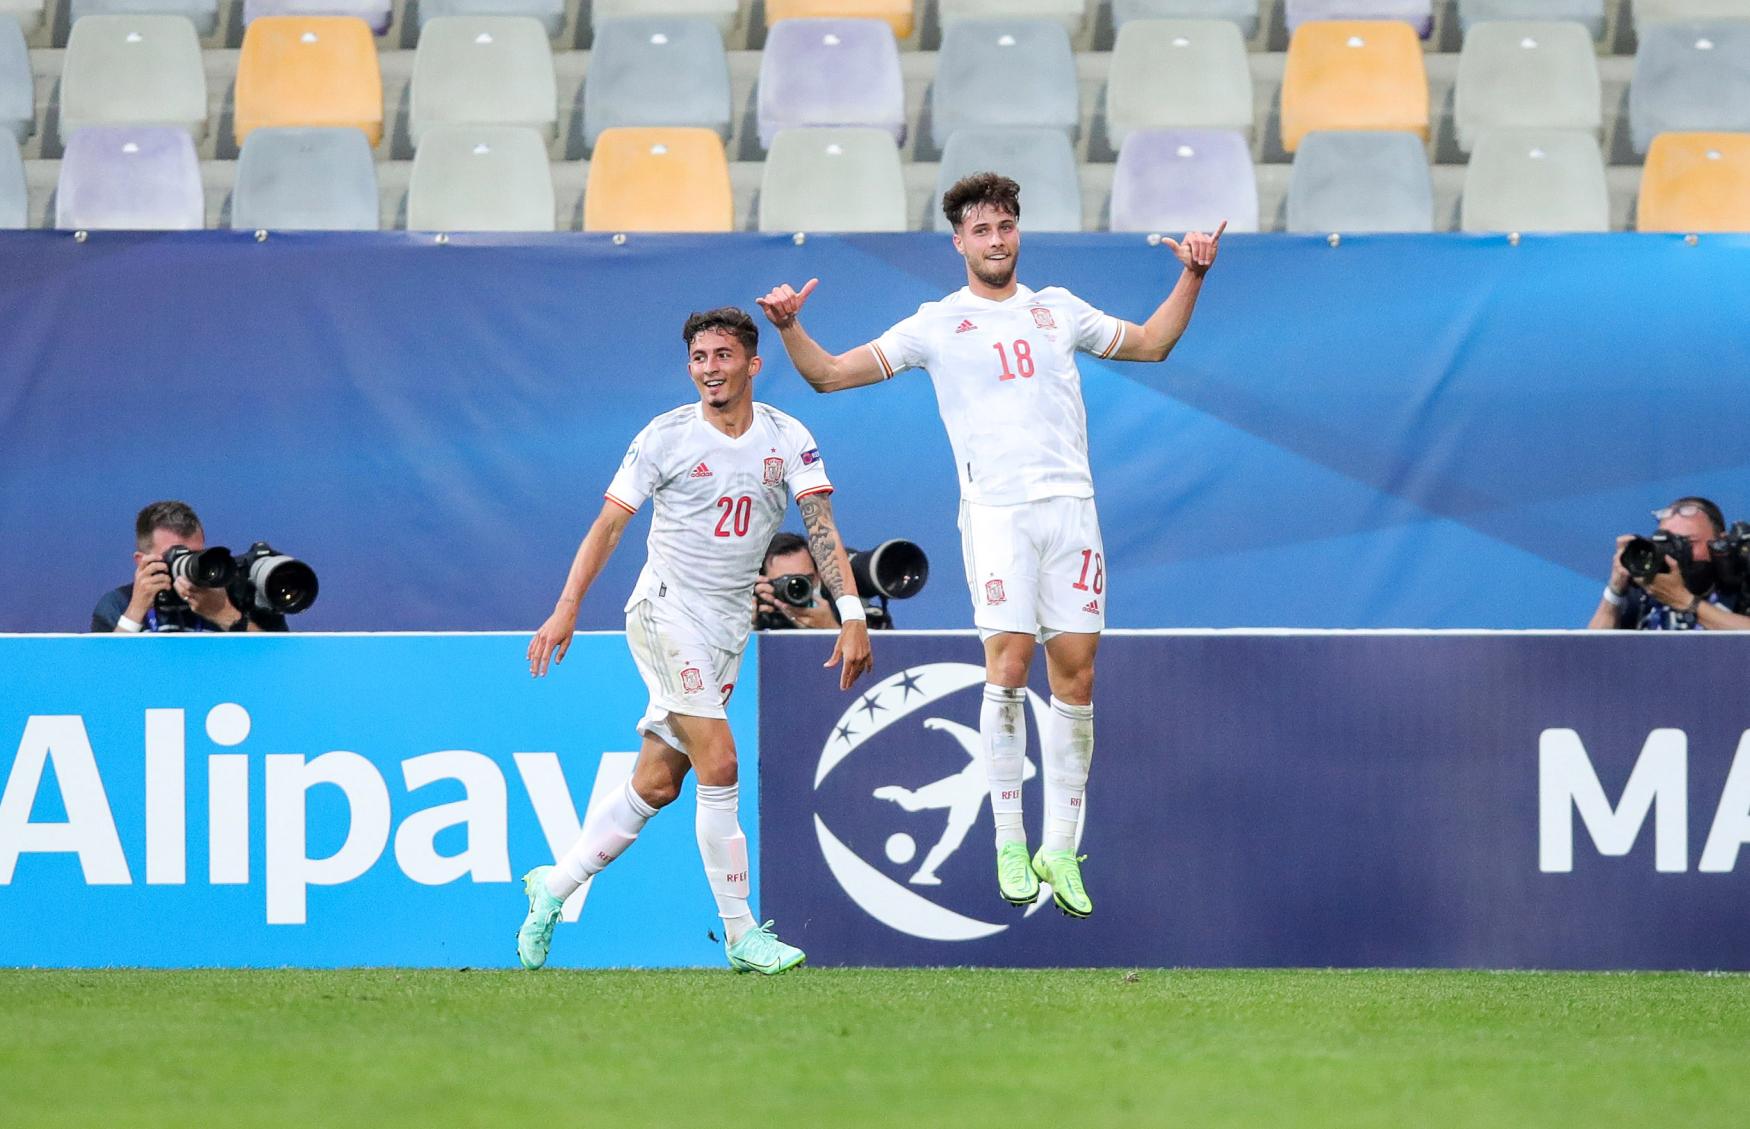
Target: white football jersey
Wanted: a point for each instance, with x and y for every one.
(1007, 386)
(716, 503)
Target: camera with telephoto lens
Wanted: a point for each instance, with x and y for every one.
(1644, 557)
(892, 570)
(261, 578)
(794, 589)
(1731, 556)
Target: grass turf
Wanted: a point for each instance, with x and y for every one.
(852, 1048)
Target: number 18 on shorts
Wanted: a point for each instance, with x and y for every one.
(1035, 568)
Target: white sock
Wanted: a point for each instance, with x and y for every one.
(1002, 722)
(723, 848)
(606, 834)
(1066, 744)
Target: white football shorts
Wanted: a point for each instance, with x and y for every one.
(683, 673)
(1038, 568)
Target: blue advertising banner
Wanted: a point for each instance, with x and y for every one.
(250, 800)
(1410, 799)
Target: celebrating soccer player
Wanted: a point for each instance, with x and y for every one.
(1002, 358)
(719, 474)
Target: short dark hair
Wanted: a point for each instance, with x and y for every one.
(730, 320)
(177, 517)
(981, 188)
(783, 542)
(1713, 512)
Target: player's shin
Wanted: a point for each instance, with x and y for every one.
(607, 832)
(723, 848)
(1002, 723)
(1066, 744)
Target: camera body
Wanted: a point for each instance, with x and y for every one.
(1643, 558)
(1731, 557)
(261, 578)
(794, 589)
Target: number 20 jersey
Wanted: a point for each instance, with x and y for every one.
(716, 502)
(1008, 387)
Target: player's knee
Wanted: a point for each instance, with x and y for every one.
(716, 766)
(1006, 669)
(1075, 687)
(657, 791)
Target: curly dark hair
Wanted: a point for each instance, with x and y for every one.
(987, 188)
(730, 320)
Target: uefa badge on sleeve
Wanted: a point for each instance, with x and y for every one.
(774, 472)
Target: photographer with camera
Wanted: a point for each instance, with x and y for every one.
(788, 591)
(1687, 576)
(181, 585)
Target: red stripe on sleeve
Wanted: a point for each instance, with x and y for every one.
(622, 505)
(811, 493)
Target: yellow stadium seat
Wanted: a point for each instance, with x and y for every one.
(653, 179)
(309, 71)
(1696, 182)
(897, 14)
(1353, 74)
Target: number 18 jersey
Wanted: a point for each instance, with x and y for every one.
(1008, 387)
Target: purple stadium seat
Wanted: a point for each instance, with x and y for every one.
(1173, 180)
(376, 13)
(830, 73)
(1419, 14)
(130, 177)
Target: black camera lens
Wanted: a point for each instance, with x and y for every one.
(283, 584)
(796, 590)
(209, 568)
(895, 569)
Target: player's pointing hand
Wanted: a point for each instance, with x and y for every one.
(552, 640)
(852, 649)
(782, 304)
(1198, 250)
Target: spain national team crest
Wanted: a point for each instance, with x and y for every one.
(691, 682)
(993, 592)
(774, 472)
(1042, 318)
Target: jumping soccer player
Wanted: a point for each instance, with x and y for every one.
(1002, 358)
(720, 474)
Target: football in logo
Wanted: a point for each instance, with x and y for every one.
(1042, 318)
(774, 472)
(993, 592)
(691, 682)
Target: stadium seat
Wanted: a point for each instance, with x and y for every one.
(17, 86)
(1514, 75)
(896, 14)
(1042, 160)
(1360, 182)
(1419, 14)
(1243, 14)
(203, 14)
(832, 180)
(1176, 180)
(724, 14)
(480, 178)
(1353, 75)
(291, 179)
(375, 13)
(1695, 182)
(1646, 12)
(657, 71)
(1174, 74)
(483, 70)
(1587, 13)
(1072, 14)
(309, 70)
(28, 14)
(830, 73)
(130, 178)
(551, 13)
(658, 179)
(1690, 76)
(1004, 72)
(144, 70)
(1538, 180)
(14, 199)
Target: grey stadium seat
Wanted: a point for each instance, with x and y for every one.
(1178, 74)
(1535, 180)
(832, 180)
(298, 179)
(1690, 76)
(203, 14)
(483, 70)
(723, 14)
(656, 71)
(1070, 14)
(1587, 13)
(1658, 11)
(1004, 72)
(1041, 160)
(14, 200)
(1360, 182)
(1526, 75)
(1243, 14)
(551, 13)
(17, 86)
(136, 70)
(480, 178)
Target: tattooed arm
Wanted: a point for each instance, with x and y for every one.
(828, 551)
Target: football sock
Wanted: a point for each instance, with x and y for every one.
(1003, 725)
(723, 848)
(607, 832)
(1066, 744)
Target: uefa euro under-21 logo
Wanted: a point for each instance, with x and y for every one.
(903, 774)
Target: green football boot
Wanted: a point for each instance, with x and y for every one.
(759, 950)
(1063, 871)
(1019, 886)
(536, 936)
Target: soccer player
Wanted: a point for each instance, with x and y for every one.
(719, 474)
(1002, 358)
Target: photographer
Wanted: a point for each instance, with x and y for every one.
(156, 603)
(787, 558)
(1685, 595)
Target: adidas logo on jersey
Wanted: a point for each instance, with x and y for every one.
(965, 326)
(1092, 607)
(700, 471)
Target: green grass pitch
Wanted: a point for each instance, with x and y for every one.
(851, 1048)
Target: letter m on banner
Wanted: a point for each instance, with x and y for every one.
(1658, 784)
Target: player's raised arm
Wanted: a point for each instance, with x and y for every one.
(823, 371)
(554, 638)
(834, 566)
(1155, 338)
